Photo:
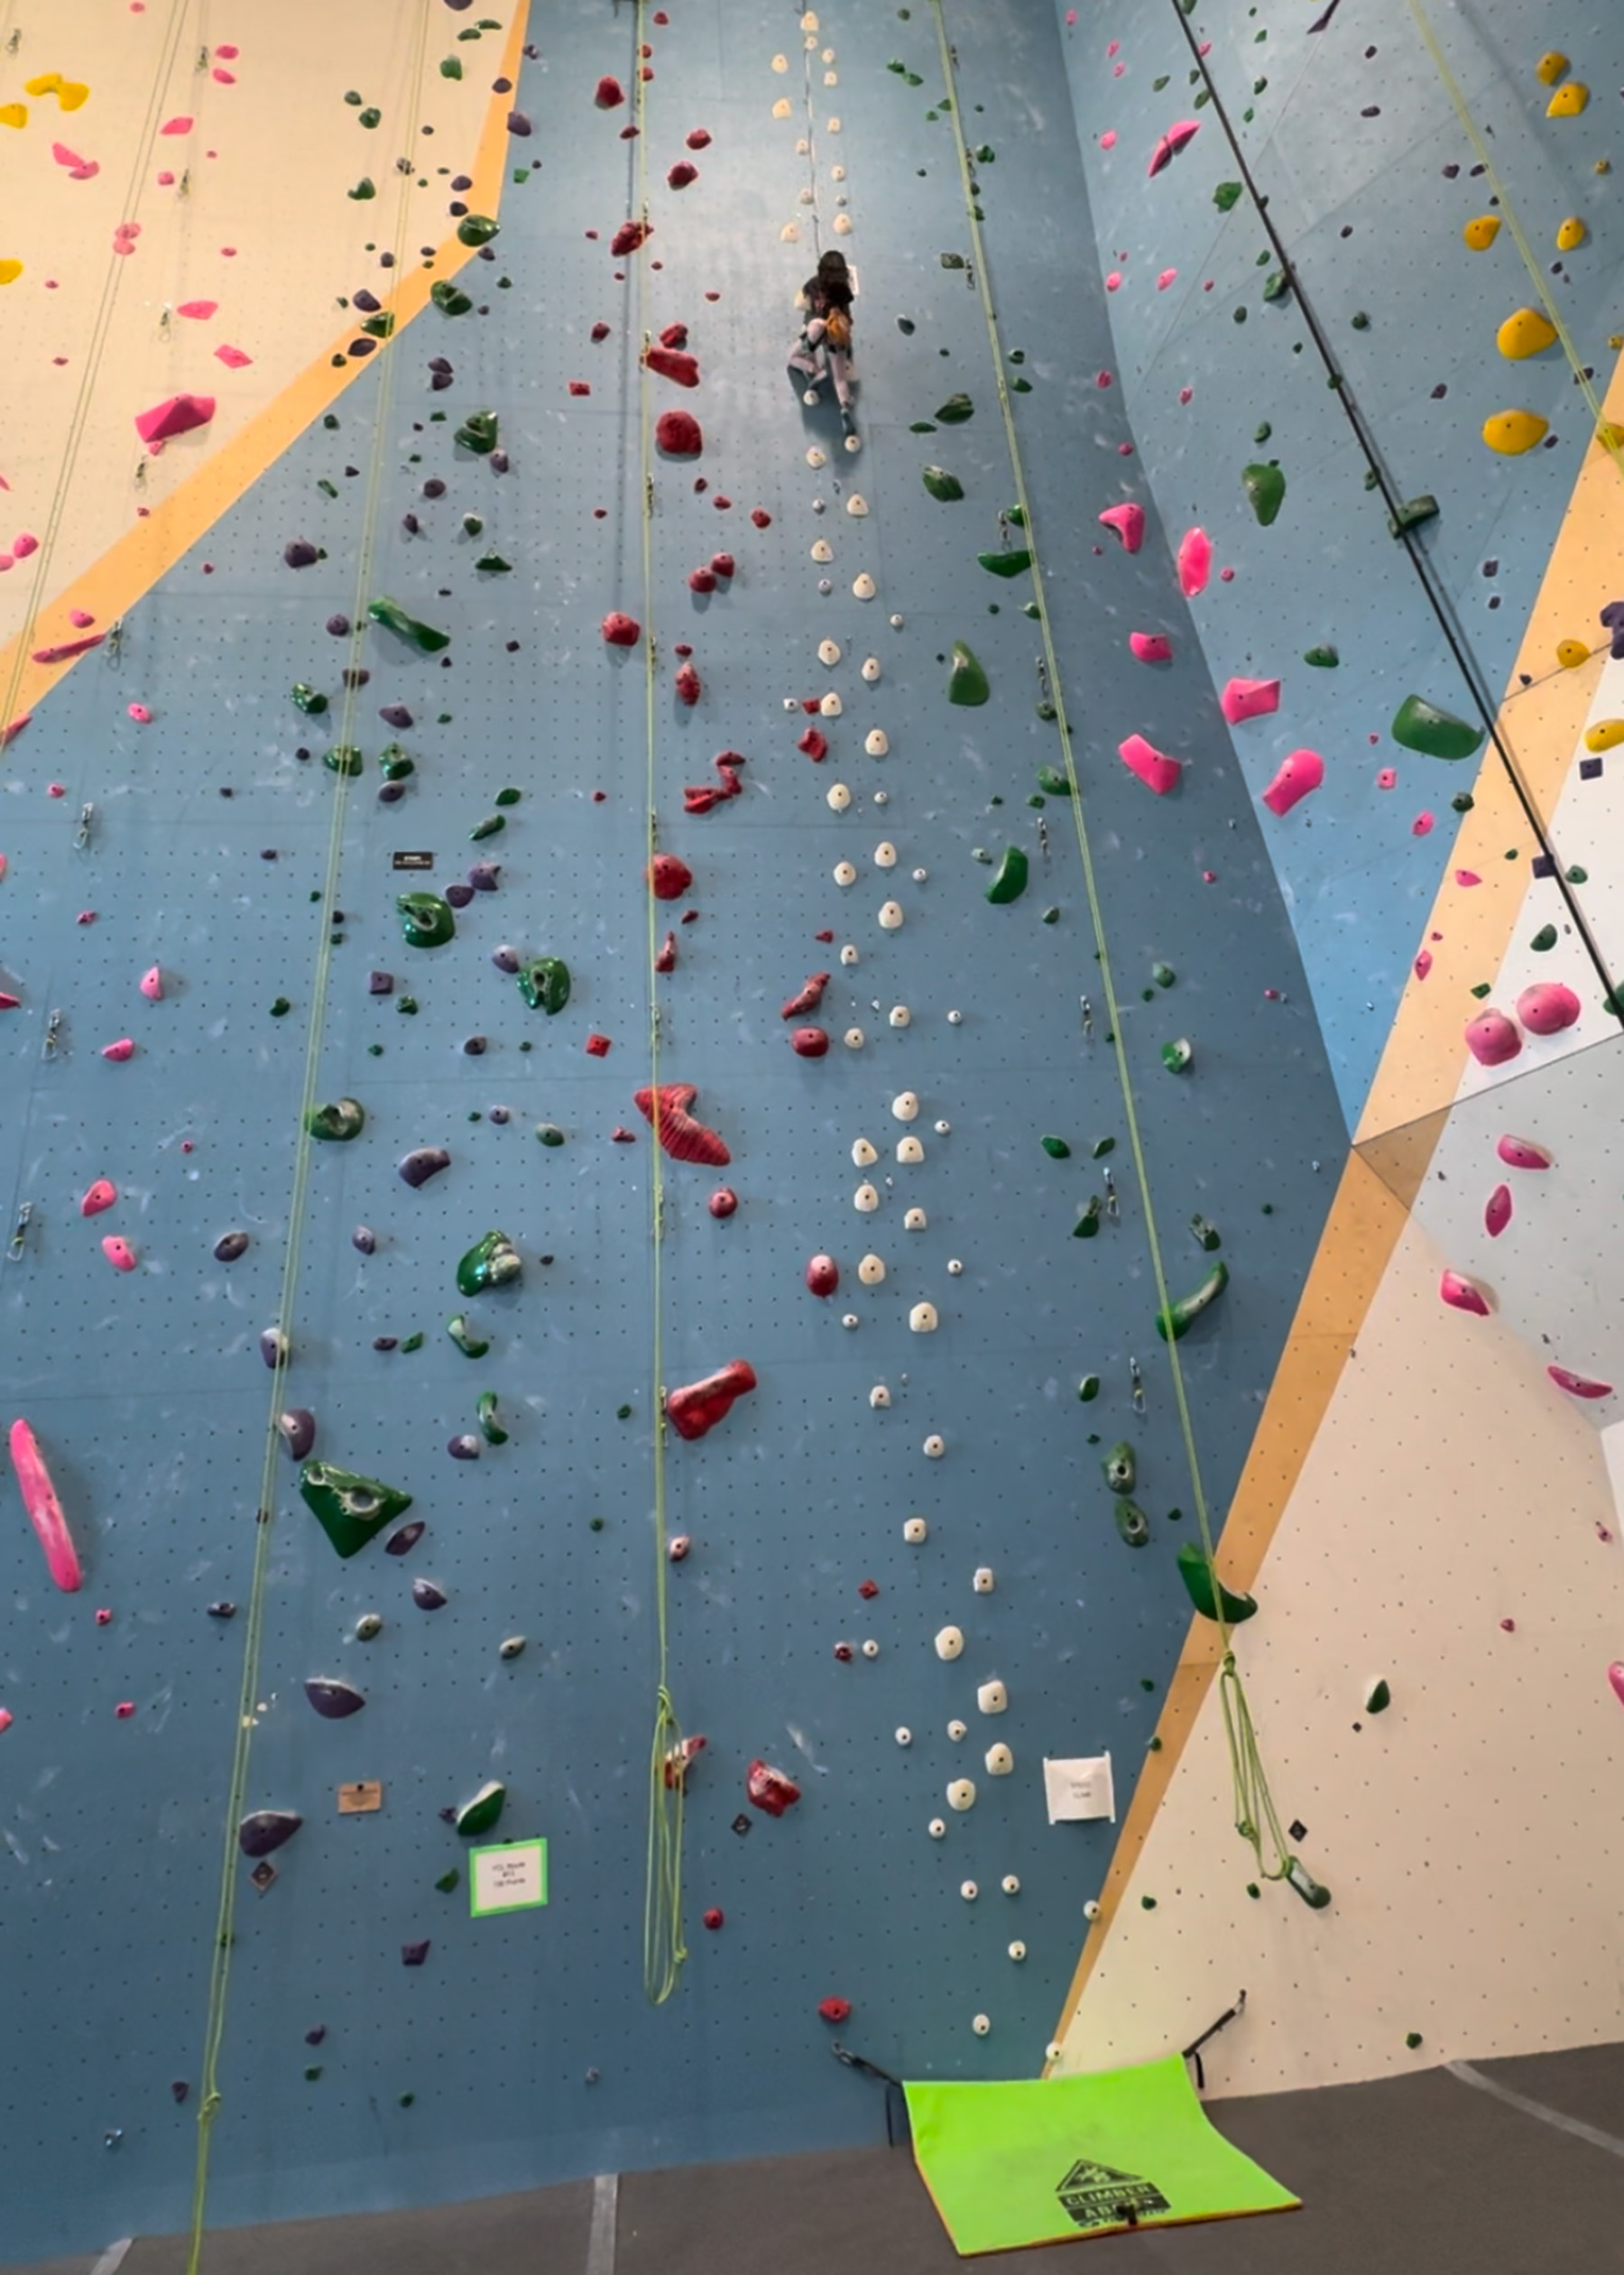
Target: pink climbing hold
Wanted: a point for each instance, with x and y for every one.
(119, 1253)
(199, 310)
(81, 617)
(1548, 1008)
(1195, 562)
(1423, 963)
(1248, 699)
(1177, 136)
(23, 544)
(1492, 1039)
(1522, 1154)
(1150, 647)
(1615, 1676)
(63, 652)
(6, 1718)
(1497, 1211)
(119, 1051)
(98, 1196)
(140, 713)
(1154, 768)
(177, 414)
(1461, 1295)
(10, 1002)
(1303, 772)
(152, 984)
(180, 125)
(1128, 520)
(44, 1509)
(1422, 826)
(1578, 1385)
(232, 357)
(78, 168)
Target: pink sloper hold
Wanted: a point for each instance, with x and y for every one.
(44, 1509)
(1150, 647)
(1154, 768)
(1248, 699)
(1522, 1154)
(177, 414)
(1461, 1295)
(232, 357)
(119, 1253)
(1184, 131)
(1129, 523)
(1195, 562)
(1615, 1676)
(1492, 1039)
(200, 311)
(98, 1196)
(1497, 1211)
(124, 1048)
(1303, 772)
(152, 984)
(1578, 1385)
(180, 125)
(1547, 1009)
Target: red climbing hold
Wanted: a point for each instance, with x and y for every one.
(580, 387)
(668, 878)
(629, 237)
(597, 1046)
(697, 1407)
(688, 686)
(868, 1590)
(1129, 523)
(713, 1918)
(823, 1275)
(836, 2010)
(683, 1137)
(814, 745)
(680, 1760)
(600, 331)
(178, 414)
(678, 434)
(699, 139)
(666, 961)
(674, 336)
(768, 1789)
(808, 998)
(809, 1042)
(621, 630)
(761, 517)
(701, 581)
(723, 1201)
(672, 362)
(681, 174)
(723, 564)
(610, 94)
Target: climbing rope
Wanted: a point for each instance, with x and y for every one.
(210, 2096)
(664, 1951)
(1437, 598)
(1256, 1818)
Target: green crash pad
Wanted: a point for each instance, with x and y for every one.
(1047, 2160)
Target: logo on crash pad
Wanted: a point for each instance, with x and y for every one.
(1098, 2195)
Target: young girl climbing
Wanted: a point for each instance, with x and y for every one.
(824, 348)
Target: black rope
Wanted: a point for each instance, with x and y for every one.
(1192, 2053)
(1437, 600)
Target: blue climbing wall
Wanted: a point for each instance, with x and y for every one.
(522, 2048)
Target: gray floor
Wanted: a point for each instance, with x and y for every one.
(1421, 2172)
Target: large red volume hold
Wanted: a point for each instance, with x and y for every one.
(809, 997)
(620, 630)
(697, 1407)
(678, 434)
(768, 1789)
(669, 877)
(671, 363)
(684, 1138)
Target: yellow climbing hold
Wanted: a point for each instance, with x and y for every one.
(1525, 333)
(10, 270)
(1480, 233)
(1605, 736)
(47, 83)
(1550, 67)
(1568, 101)
(781, 108)
(1572, 654)
(13, 114)
(781, 62)
(1572, 235)
(70, 93)
(1511, 432)
(1610, 437)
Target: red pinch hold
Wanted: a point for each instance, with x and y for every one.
(683, 173)
(770, 1789)
(682, 1137)
(666, 961)
(688, 686)
(630, 236)
(698, 1407)
(809, 997)
(836, 2010)
(813, 745)
(670, 363)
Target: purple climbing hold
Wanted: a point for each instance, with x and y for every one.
(300, 553)
(273, 1345)
(1612, 617)
(395, 714)
(459, 895)
(462, 1448)
(315, 2037)
(364, 1239)
(459, 182)
(297, 1427)
(484, 876)
(428, 1597)
(332, 1698)
(412, 1955)
(179, 2089)
(391, 793)
(518, 124)
(267, 1829)
(379, 983)
(338, 626)
(421, 1163)
(367, 303)
(405, 1538)
(506, 960)
(433, 486)
(499, 462)
(230, 1246)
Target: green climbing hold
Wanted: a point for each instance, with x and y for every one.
(1227, 196)
(370, 117)
(1014, 563)
(451, 69)
(966, 681)
(1298, 1876)
(1020, 387)
(478, 432)
(413, 1342)
(1102, 1146)
(942, 485)
(1177, 1317)
(544, 984)
(380, 326)
(1088, 1388)
(549, 1133)
(492, 565)
(453, 1879)
(280, 1008)
(1576, 875)
(1262, 432)
(471, 525)
(394, 764)
(955, 409)
(1463, 801)
(1132, 1523)
(985, 154)
(477, 228)
(395, 618)
(1163, 975)
(449, 299)
(406, 1006)
(1010, 881)
(364, 190)
(509, 797)
(1178, 1057)
(344, 1120)
(1052, 781)
(491, 827)
(310, 700)
(1056, 1148)
(1544, 938)
(343, 758)
(471, 1345)
(1088, 1223)
(493, 1261)
(1051, 916)
(1322, 659)
(1412, 2038)
(1207, 1235)
(1412, 514)
(1380, 1699)
(1121, 1467)
(1421, 726)
(1277, 286)
(1207, 1592)
(425, 918)
(479, 1814)
(350, 1509)
(1265, 487)
(490, 1428)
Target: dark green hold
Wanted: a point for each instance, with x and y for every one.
(1178, 1057)
(477, 228)
(1132, 1523)
(1380, 1699)
(1102, 1146)
(967, 682)
(509, 797)
(1544, 938)
(394, 764)
(370, 117)
(1053, 782)
(310, 700)
(1413, 512)
(1277, 286)
(1014, 563)
(1163, 975)
(364, 190)
(955, 409)
(280, 1008)
(342, 1121)
(1056, 1148)
(1088, 1223)
(413, 1342)
(1412, 2038)
(1010, 881)
(1207, 1592)
(1088, 1388)
(1322, 659)
(1421, 726)
(471, 1345)
(493, 1261)
(544, 984)
(491, 1429)
(1265, 487)
(479, 1814)
(1121, 1467)
(343, 758)
(492, 825)
(450, 298)
(450, 69)
(478, 432)
(549, 1133)
(946, 487)
(492, 565)
(425, 920)
(1227, 196)
(395, 618)
(1207, 1235)
(380, 326)
(350, 1509)
(453, 1879)
(1299, 1877)
(1176, 1320)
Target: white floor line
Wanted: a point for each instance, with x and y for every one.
(605, 2205)
(1546, 2116)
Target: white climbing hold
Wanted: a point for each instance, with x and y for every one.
(857, 505)
(1000, 1761)
(844, 873)
(781, 62)
(969, 1890)
(830, 705)
(817, 457)
(891, 916)
(905, 1736)
(1011, 1885)
(936, 1829)
(848, 954)
(981, 2024)
(943, 1128)
(837, 798)
(956, 1018)
(879, 1397)
(882, 797)
(790, 232)
(850, 1319)
(982, 1581)
(1018, 1950)
(885, 854)
(961, 1794)
(822, 550)
(992, 1697)
(935, 1447)
(954, 1266)
(833, 126)
(863, 587)
(871, 1270)
(900, 1015)
(957, 1730)
(1054, 2051)
(914, 1220)
(1091, 1911)
(865, 1200)
(804, 196)
(842, 221)
(949, 1642)
(854, 1039)
(853, 443)
(828, 652)
(837, 173)
(896, 623)
(877, 742)
(910, 1152)
(919, 875)
(914, 1531)
(870, 669)
(871, 1650)
(905, 1105)
(922, 1318)
(863, 1154)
